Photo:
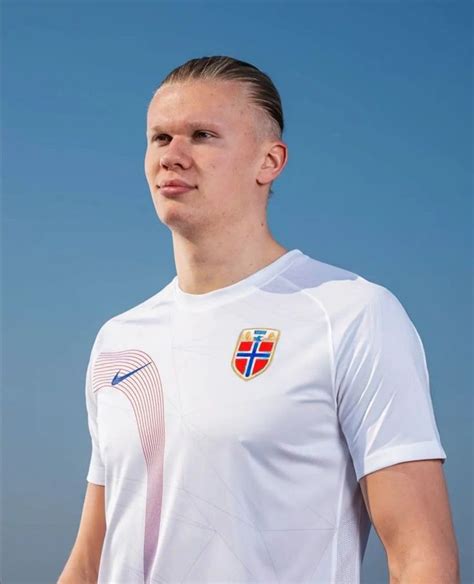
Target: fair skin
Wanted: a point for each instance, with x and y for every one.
(219, 228)
(82, 566)
(220, 235)
(409, 508)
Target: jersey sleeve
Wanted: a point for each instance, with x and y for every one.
(96, 471)
(382, 388)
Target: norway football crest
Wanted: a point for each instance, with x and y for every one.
(254, 351)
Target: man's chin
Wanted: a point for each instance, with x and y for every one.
(180, 221)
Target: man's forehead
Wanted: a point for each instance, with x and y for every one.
(192, 103)
(215, 91)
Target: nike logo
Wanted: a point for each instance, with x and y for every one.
(118, 378)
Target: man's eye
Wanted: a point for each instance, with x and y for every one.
(158, 137)
(198, 133)
(202, 132)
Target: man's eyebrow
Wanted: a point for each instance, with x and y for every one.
(189, 125)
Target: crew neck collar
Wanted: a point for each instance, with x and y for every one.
(240, 288)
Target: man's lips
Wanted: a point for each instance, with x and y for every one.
(174, 182)
(174, 186)
(175, 189)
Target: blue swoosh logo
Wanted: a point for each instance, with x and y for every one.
(118, 378)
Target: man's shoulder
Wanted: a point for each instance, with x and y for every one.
(136, 313)
(334, 287)
(352, 303)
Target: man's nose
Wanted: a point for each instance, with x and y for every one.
(176, 154)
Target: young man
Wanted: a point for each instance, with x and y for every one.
(241, 416)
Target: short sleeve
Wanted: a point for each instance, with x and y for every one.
(96, 471)
(382, 388)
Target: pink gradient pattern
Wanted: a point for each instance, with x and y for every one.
(144, 391)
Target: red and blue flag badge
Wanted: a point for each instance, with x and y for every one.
(254, 351)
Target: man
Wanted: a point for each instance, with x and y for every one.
(241, 416)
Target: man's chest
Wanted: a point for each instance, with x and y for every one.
(256, 380)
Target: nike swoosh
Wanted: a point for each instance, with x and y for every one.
(118, 378)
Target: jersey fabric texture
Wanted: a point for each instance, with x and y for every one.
(231, 428)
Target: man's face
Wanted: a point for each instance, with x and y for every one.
(204, 133)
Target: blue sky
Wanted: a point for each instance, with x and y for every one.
(377, 100)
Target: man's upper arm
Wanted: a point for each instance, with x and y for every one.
(409, 508)
(85, 556)
(92, 525)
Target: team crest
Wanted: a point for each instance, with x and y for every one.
(254, 351)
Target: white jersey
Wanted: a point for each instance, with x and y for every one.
(231, 428)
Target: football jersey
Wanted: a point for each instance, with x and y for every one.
(231, 428)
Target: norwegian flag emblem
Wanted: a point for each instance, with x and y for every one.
(254, 351)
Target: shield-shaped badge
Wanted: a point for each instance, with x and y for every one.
(254, 351)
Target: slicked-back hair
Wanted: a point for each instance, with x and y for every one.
(260, 88)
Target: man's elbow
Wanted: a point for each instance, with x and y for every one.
(82, 566)
(77, 573)
(423, 565)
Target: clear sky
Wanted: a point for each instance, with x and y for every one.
(377, 99)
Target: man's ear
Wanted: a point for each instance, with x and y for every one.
(274, 161)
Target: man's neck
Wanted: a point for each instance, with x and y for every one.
(215, 264)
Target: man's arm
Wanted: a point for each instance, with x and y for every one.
(409, 508)
(83, 564)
